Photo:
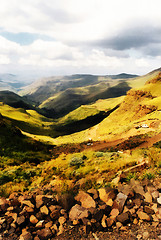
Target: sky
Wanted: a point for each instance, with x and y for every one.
(62, 37)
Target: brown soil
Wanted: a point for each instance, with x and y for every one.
(131, 232)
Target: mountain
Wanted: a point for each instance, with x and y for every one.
(14, 100)
(57, 96)
(12, 82)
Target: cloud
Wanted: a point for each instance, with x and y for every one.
(91, 36)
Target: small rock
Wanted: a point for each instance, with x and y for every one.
(114, 213)
(118, 225)
(149, 210)
(78, 212)
(62, 220)
(86, 200)
(26, 236)
(120, 200)
(148, 197)
(107, 197)
(159, 200)
(44, 210)
(33, 219)
(103, 222)
(40, 224)
(93, 192)
(143, 216)
(109, 222)
(155, 194)
(39, 201)
(123, 218)
(44, 233)
(145, 235)
(20, 220)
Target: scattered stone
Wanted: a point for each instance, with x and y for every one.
(159, 200)
(143, 216)
(20, 220)
(33, 219)
(148, 197)
(145, 235)
(120, 201)
(44, 233)
(123, 218)
(39, 201)
(107, 197)
(26, 235)
(44, 210)
(86, 200)
(78, 212)
(103, 222)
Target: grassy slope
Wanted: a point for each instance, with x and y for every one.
(126, 117)
(19, 157)
(27, 120)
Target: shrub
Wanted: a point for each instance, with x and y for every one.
(76, 162)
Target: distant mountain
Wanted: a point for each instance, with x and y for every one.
(12, 82)
(60, 95)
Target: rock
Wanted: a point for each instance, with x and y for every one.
(118, 225)
(20, 220)
(61, 230)
(143, 216)
(148, 197)
(44, 210)
(159, 200)
(25, 235)
(123, 218)
(94, 193)
(126, 189)
(62, 220)
(28, 203)
(49, 224)
(78, 212)
(145, 235)
(76, 222)
(55, 212)
(66, 201)
(148, 210)
(98, 214)
(103, 222)
(120, 200)
(86, 200)
(4, 204)
(109, 222)
(137, 187)
(39, 201)
(135, 221)
(107, 197)
(40, 224)
(114, 213)
(44, 233)
(155, 194)
(33, 219)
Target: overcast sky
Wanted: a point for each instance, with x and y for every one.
(59, 37)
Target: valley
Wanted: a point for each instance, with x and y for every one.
(80, 133)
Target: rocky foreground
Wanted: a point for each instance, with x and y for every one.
(35, 216)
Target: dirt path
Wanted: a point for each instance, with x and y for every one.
(150, 141)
